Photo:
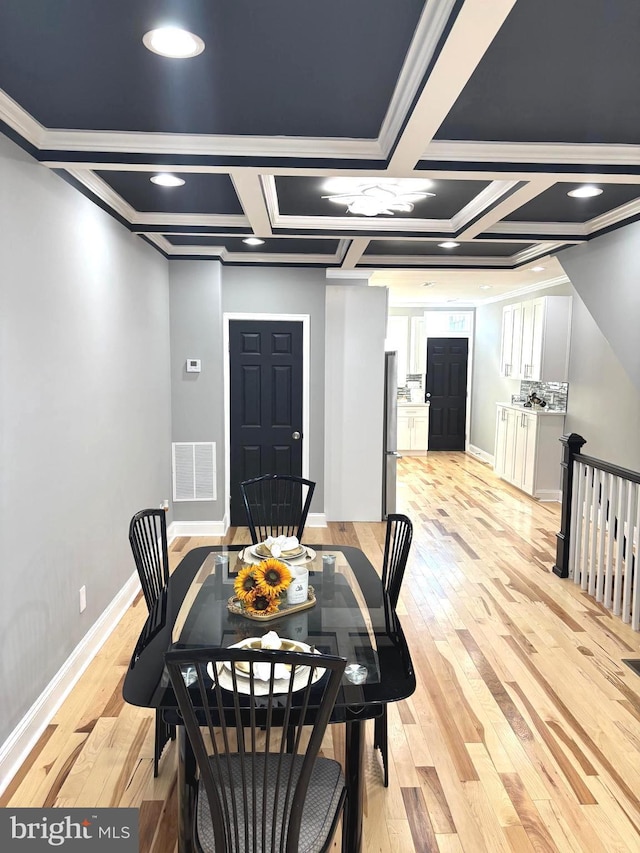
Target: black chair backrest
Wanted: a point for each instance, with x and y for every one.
(396, 551)
(148, 538)
(276, 505)
(258, 756)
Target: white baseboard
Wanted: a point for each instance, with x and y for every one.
(316, 519)
(23, 738)
(546, 495)
(480, 454)
(197, 528)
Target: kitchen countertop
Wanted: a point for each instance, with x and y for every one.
(522, 408)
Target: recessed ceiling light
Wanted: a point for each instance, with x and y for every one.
(253, 241)
(165, 179)
(586, 191)
(429, 284)
(486, 286)
(448, 244)
(537, 269)
(453, 300)
(173, 42)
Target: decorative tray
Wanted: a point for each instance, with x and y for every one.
(234, 606)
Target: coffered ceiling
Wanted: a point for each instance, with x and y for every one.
(457, 123)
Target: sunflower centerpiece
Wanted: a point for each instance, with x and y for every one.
(262, 588)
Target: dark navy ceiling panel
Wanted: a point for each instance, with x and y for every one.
(466, 250)
(201, 193)
(270, 67)
(554, 205)
(557, 71)
(302, 196)
(280, 245)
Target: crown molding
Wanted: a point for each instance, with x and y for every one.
(612, 217)
(211, 220)
(21, 121)
(540, 229)
(432, 261)
(536, 252)
(95, 184)
(223, 254)
(431, 26)
(485, 199)
(529, 288)
(177, 144)
(532, 152)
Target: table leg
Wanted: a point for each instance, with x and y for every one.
(187, 790)
(354, 777)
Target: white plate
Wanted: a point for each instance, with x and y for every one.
(307, 555)
(298, 552)
(261, 688)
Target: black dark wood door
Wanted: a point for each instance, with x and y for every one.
(447, 392)
(265, 372)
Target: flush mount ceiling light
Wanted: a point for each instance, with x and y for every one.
(585, 191)
(253, 241)
(376, 196)
(486, 286)
(448, 244)
(165, 179)
(173, 42)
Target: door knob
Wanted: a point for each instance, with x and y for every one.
(295, 435)
(428, 394)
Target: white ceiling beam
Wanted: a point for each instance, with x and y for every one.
(249, 190)
(504, 208)
(473, 31)
(355, 252)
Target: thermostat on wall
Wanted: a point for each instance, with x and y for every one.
(193, 365)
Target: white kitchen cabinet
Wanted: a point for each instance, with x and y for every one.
(511, 340)
(413, 429)
(535, 339)
(528, 450)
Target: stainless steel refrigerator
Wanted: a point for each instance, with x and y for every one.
(390, 446)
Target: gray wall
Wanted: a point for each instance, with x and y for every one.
(197, 408)
(84, 416)
(606, 274)
(604, 405)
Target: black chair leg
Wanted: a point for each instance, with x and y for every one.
(380, 742)
(164, 733)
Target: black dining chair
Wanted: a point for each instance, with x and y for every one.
(396, 551)
(148, 539)
(276, 505)
(254, 794)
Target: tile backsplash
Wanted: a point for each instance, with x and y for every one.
(555, 393)
(413, 383)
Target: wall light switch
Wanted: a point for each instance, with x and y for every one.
(193, 365)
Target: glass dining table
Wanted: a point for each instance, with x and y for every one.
(352, 617)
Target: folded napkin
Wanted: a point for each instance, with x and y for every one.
(263, 670)
(278, 544)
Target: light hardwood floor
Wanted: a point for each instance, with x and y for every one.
(523, 733)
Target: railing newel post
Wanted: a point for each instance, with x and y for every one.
(572, 446)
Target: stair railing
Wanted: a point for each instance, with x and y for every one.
(597, 544)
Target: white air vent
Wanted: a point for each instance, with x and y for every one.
(194, 471)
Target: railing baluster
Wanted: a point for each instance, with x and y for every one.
(619, 534)
(613, 509)
(626, 533)
(579, 531)
(588, 579)
(593, 529)
(602, 536)
(635, 549)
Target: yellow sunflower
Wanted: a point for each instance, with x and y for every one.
(273, 577)
(256, 602)
(246, 583)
